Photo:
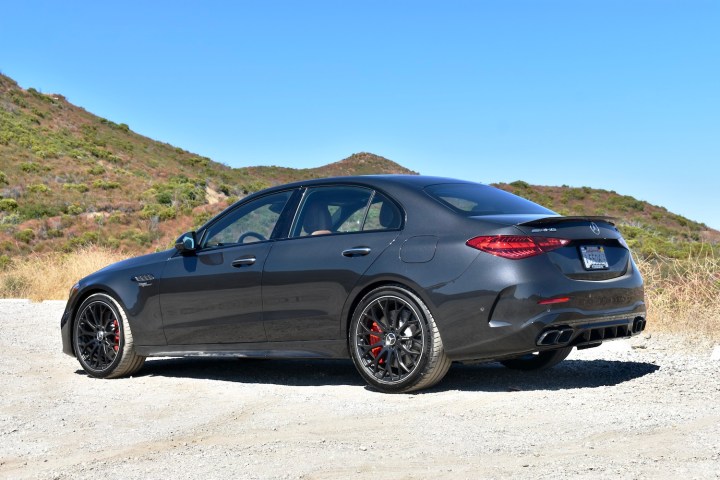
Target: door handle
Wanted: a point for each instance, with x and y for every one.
(243, 261)
(356, 251)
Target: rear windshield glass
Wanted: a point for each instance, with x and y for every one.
(473, 199)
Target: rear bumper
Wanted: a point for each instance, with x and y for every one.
(511, 318)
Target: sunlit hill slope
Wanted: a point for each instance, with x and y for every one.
(69, 178)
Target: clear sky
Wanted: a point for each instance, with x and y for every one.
(616, 94)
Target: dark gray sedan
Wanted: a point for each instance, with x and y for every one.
(403, 274)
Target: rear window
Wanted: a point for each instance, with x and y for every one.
(473, 199)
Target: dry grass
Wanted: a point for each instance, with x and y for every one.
(49, 276)
(683, 295)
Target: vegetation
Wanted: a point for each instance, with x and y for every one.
(651, 231)
(78, 192)
(682, 295)
(87, 179)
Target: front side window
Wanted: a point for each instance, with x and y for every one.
(249, 223)
(328, 210)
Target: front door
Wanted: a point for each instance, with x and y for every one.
(213, 295)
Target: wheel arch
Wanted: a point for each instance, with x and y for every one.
(84, 296)
(360, 292)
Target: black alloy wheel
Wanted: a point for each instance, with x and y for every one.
(394, 342)
(102, 339)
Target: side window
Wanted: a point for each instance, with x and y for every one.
(327, 210)
(383, 214)
(252, 222)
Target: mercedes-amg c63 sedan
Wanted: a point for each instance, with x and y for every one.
(403, 274)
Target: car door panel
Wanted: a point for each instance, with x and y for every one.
(307, 281)
(214, 297)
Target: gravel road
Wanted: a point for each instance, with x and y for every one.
(632, 409)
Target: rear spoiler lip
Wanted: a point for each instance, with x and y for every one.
(562, 219)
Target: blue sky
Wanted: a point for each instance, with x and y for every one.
(616, 94)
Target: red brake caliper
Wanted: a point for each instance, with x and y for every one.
(375, 339)
(116, 347)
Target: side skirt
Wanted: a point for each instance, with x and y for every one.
(310, 349)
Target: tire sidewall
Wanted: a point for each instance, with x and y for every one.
(419, 311)
(115, 307)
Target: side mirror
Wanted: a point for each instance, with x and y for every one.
(186, 243)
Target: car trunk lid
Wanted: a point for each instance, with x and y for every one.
(595, 249)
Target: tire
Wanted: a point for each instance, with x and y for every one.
(102, 340)
(394, 341)
(538, 360)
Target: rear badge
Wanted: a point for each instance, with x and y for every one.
(595, 229)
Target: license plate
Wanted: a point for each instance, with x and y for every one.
(594, 257)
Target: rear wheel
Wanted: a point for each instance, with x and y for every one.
(102, 339)
(538, 360)
(395, 343)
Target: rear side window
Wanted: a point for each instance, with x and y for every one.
(345, 209)
(383, 214)
(473, 199)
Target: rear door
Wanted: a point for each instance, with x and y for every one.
(338, 233)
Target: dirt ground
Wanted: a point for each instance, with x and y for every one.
(631, 409)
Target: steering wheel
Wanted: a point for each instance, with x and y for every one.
(245, 235)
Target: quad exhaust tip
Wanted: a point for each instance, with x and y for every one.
(562, 335)
(555, 336)
(638, 324)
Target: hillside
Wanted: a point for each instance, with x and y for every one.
(69, 178)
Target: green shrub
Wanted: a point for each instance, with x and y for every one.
(161, 212)
(105, 185)
(79, 187)
(25, 235)
(180, 192)
(520, 184)
(200, 219)
(8, 205)
(74, 209)
(87, 238)
(31, 209)
(39, 188)
(5, 262)
(29, 167)
(3, 178)
(11, 219)
(96, 170)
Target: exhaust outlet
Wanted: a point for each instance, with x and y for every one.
(555, 336)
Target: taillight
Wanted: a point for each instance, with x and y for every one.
(516, 247)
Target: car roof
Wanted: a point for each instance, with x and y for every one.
(412, 181)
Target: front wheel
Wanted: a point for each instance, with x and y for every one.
(395, 343)
(538, 360)
(102, 339)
